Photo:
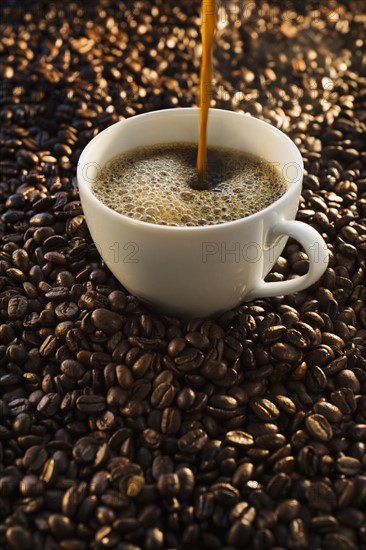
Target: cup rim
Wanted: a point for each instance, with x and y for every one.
(182, 111)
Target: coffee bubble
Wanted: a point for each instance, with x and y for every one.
(152, 184)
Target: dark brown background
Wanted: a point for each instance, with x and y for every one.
(124, 429)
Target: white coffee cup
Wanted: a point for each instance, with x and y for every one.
(200, 271)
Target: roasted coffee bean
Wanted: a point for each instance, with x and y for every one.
(61, 526)
(239, 439)
(197, 340)
(57, 293)
(18, 538)
(17, 307)
(141, 389)
(170, 420)
(106, 320)
(288, 510)
(240, 533)
(73, 369)
(187, 481)
(279, 485)
(214, 370)
(193, 441)
(320, 496)
(163, 396)
(71, 499)
(20, 260)
(90, 403)
(358, 432)
(162, 464)
(49, 346)
(176, 346)
(66, 311)
(348, 465)
(31, 486)
(124, 376)
(85, 450)
(316, 379)
(273, 334)
(186, 398)
(347, 379)
(224, 402)
(331, 412)
(285, 352)
(147, 343)
(142, 365)
(168, 484)
(154, 539)
(318, 427)
(344, 399)
(92, 299)
(324, 524)
(271, 441)
(34, 458)
(351, 517)
(242, 474)
(337, 540)
(50, 472)
(117, 299)
(49, 404)
(264, 409)
(227, 495)
(285, 404)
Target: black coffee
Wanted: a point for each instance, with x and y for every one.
(152, 184)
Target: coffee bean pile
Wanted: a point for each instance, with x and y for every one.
(124, 429)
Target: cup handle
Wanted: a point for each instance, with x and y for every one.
(316, 250)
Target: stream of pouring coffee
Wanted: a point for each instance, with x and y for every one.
(208, 31)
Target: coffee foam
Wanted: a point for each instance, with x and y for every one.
(151, 184)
